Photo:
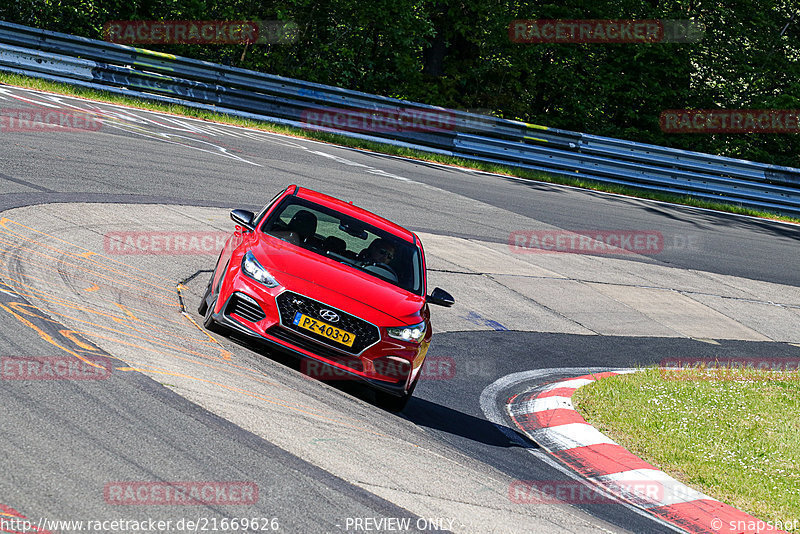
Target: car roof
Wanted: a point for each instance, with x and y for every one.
(359, 213)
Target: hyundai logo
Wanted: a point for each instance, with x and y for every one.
(328, 315)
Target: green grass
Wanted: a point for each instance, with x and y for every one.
(577, 181)
(730, 433)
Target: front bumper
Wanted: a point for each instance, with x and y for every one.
(342, 372)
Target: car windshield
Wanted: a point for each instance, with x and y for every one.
(347, 240)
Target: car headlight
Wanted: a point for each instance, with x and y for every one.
(408, 333)
(254, 270)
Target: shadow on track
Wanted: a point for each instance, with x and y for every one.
(439, 417)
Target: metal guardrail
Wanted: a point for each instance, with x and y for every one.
(154, 75)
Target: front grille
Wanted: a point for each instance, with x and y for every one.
(290, 303)
(352, 362)
(244, 308)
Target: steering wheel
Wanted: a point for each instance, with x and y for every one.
(383, 266)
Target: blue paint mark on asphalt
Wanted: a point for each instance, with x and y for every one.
(477, 318)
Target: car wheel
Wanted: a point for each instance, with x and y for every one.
(393, 403)
(206, 308)
(203, 307)
(209, 322)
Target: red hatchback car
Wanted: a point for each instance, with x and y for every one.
(330, 282)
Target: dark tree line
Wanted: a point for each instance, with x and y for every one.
(457, 53)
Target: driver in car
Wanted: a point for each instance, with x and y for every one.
(379, 251)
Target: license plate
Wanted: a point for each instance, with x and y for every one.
(324, 329)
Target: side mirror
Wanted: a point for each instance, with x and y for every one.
(440, 297)
(243, 218)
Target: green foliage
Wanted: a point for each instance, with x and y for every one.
(457, 53)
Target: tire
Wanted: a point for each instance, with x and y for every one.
(390, 403)
(203, 307)
(209, 321)
(208, 308)
(393, 403)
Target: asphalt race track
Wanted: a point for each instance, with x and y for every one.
(180, 404)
